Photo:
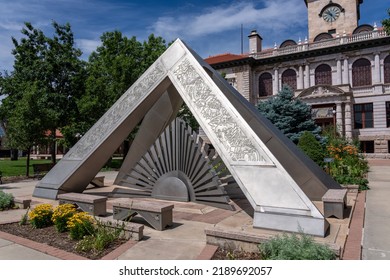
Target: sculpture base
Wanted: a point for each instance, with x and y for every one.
(292, 223)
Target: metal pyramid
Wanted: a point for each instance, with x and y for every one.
(278, 180)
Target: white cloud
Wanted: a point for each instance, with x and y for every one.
(87, 46)
(273, 15)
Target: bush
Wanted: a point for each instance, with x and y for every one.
(101, 238)
(61, 215)
(312, 148)
(80, 225)
(6, 201)
(41, 215)
(348, 166)
(295, 247)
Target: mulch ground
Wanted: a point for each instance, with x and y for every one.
(50, 236)
(224, 254)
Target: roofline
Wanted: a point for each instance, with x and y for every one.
(304, 54)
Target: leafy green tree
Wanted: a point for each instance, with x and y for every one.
(24, 127)
(386, 23)
(312, 148)
(290, 115)
(52, 65)
(115, 65)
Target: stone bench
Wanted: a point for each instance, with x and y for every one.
(335, 201)
(22, 203)
(157, 214)
(40, 169)
(132, 231)
(93, 204)
(98, 182)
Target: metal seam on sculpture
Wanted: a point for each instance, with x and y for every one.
(110, 120)
(232, 137)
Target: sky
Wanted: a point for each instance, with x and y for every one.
(209, 27)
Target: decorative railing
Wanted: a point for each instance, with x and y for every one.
(363, 90)
(386, 88)
(339, 40)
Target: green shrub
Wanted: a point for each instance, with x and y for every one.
(80, 225)
(349, 166)
(295, 247)
(312, 147)
(6, 201)
(41, 215)
(102, 237)
(61, 215)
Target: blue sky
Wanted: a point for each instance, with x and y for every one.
(209, 27)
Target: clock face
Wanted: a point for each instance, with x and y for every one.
(331, 14)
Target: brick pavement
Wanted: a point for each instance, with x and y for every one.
(353, 246)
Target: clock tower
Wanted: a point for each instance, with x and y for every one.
(332, 17)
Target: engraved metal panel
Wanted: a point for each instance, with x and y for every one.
(222, 123)
(120, 109)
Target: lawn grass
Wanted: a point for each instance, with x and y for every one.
(18, 167)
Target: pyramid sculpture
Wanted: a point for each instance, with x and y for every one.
(278, 180)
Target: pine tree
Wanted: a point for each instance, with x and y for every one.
(290, 115)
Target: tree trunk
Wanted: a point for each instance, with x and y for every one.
(53, 146)
(28, 162)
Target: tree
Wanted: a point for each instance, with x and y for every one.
(115, 65)
(386, 23)
(291, 116)
(50, 70)
(24, 126)
(312, 148)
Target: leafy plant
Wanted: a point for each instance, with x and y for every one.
(295, 247)
(103, 235)
(6, 201)
(41, 215)
(80, 225)
(61, 215)
(23, 221)
(348, 166)
(312, 147)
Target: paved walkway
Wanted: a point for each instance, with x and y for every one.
(376, 239)
(187, 240)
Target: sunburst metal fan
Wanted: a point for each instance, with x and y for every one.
(177, 168)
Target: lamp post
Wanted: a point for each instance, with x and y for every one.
(334, 121)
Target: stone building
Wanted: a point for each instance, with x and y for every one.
(342, 70)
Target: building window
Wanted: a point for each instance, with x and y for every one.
(265, 84)
(367, 147)
(387, 69)
(361, 73)
(363, 115)
(388, 114)
(323, 75)
(289, 77)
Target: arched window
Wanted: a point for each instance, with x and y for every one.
(289, 77)
(361, 73)
(387, 69)
(323, 75)
(265, 84)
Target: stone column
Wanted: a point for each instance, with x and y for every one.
(339, 118)
(300, 78)
(276, 81)
(346, 72)
(338, 73)
(348, 120)
(307, 76)
(377, 70)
